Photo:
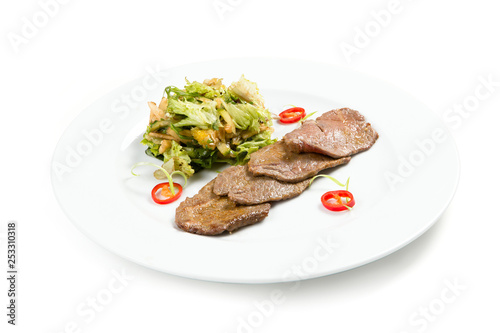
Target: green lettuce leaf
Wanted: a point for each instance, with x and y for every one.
(253, 144)
(175, 159)
(247, 116)
(201, 115)
(197, 88)
(246, 91)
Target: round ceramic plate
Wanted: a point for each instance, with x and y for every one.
(92, 180)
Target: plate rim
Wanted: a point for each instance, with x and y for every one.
(373, 258)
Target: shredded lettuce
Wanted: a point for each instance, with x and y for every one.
(203, 115)
(247, 91)
(258, 141)
(197, 88)
(247, 116)
(207, 123)
(152, 148)
(176, 159)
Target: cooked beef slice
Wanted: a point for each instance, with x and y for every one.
(209, 214)
(337, 133)
(280, 163)
(241, 186)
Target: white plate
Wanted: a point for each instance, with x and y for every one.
(299, 239)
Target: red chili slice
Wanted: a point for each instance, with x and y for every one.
(165, 192)
(338, 205)
(292, 115)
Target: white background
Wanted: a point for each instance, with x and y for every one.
(436, 50)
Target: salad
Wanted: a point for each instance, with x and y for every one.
(205, 123)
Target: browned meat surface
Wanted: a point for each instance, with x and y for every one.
(209, 214)
(280, 163)
(241, 186)
(337, 133)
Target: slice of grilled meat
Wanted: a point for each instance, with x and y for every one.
(280, 163)
(241, 186)
(337, 133)
(209, 214)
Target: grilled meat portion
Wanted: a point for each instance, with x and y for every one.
(280, 163)
(337, 133)
(209, 214)
(241, 186)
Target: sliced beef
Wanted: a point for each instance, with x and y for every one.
(337, 133)
(241, 186)
(209, 214)
(280, 163)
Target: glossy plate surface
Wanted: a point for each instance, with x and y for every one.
(414, 160)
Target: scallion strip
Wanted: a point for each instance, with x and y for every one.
(346, 185)
(303, 119)
(169, 176)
